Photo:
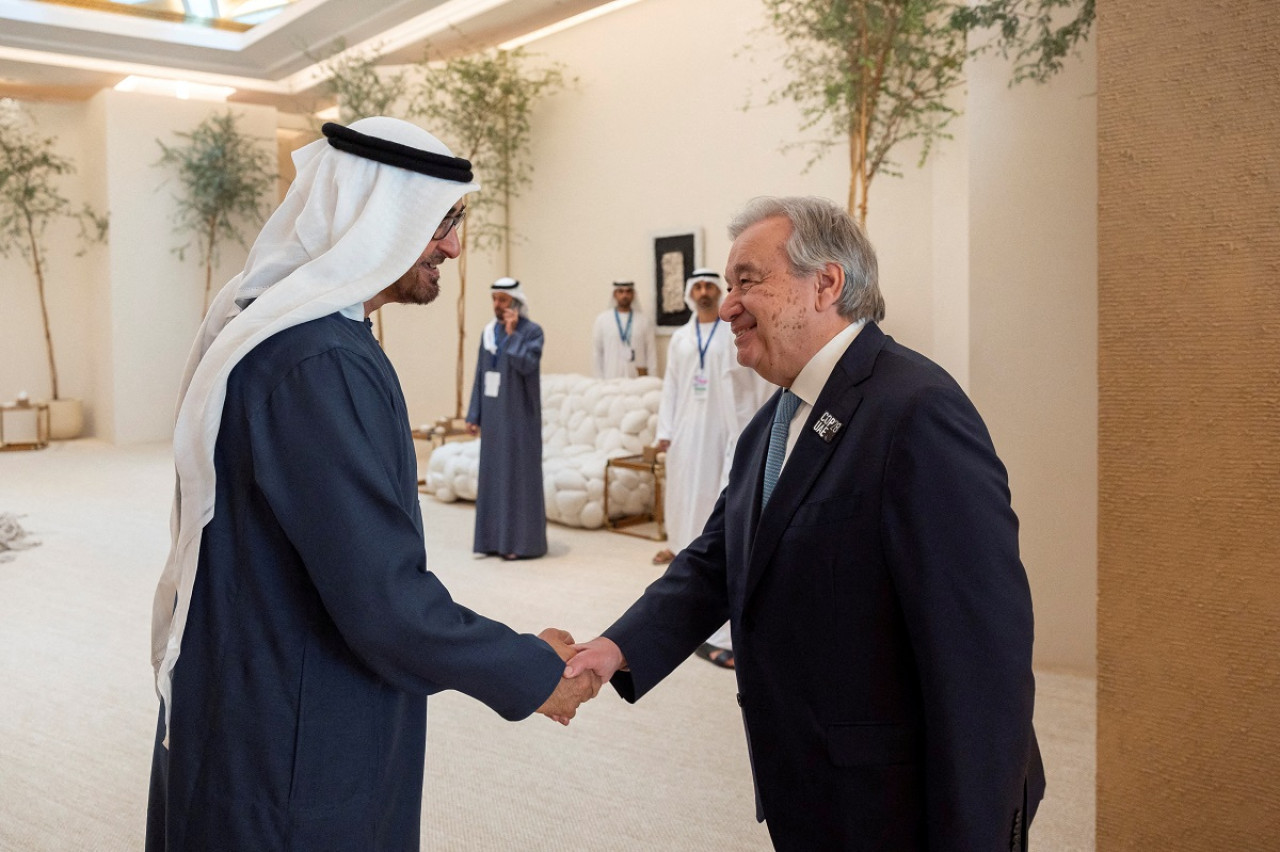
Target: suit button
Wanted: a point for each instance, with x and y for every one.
(739, 699)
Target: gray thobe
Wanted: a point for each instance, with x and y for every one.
(511, 516)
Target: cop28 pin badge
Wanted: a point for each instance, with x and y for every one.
(827, 427)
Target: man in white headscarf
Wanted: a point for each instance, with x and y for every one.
(622, 339)
(707, 399)
(506, 406)
(296, 629)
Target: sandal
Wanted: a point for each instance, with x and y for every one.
(663, 557)
(721, 657)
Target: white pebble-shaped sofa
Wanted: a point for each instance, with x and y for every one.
(585, 422)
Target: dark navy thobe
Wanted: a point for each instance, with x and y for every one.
(315, 631)
(511, 517)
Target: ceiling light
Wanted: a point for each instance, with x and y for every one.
(207, 9)
(180, 89)
(520, 41)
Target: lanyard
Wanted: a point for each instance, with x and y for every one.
(702, 348)
(625, 336)
(501, 344)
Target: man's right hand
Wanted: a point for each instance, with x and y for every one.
(570, 693)
(600, 656)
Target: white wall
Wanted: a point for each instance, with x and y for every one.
(1034, 341)
(655, 137)
(987, 253)
(652, 137)
(156, 299)
(123, 315)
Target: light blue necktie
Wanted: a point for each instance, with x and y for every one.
(782, 415)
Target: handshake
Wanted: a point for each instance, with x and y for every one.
(588, 666)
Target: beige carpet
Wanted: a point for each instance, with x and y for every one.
(77, 708)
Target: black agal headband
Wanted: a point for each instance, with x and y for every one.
(395, 154)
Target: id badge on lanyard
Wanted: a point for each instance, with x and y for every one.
(700, 381)
(700, 385)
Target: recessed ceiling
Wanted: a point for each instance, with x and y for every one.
(266, 49)
(235, 15)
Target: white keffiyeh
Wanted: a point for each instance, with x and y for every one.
(701, 274)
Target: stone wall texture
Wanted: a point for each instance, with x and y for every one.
(1189, 425)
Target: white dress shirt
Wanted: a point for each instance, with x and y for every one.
(813, 378)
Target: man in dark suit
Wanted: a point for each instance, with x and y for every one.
(881, 616)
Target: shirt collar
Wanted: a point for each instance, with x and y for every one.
(813, 377)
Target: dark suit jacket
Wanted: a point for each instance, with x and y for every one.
(881, 618)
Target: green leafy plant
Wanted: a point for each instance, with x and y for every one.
(224, 175)
(481, 106)
(877, 73)
(360, 88)
(1031, 31)
(30, 199)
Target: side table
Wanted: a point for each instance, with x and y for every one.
(24, 425)
(658, 470)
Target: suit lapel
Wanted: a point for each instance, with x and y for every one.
(839, 400)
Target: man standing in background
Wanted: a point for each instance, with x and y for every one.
(506, 410)
(707, 399)
(622, 338)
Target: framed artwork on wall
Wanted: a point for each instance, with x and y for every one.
(676, 253)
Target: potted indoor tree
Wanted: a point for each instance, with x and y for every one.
(224, 176)
(483, 103)
(30, 199)
(877, 73)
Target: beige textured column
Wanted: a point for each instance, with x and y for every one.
(1189, 425)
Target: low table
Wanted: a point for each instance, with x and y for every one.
(24, 425)
(445, 430)
(658, 470)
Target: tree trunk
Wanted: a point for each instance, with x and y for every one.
(44, 306)
(506, 188)
(208, 263)
(506, 230)
(858, 126)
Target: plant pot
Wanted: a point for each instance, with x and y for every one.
(66, 419)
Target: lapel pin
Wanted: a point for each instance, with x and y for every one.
(827, 427)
